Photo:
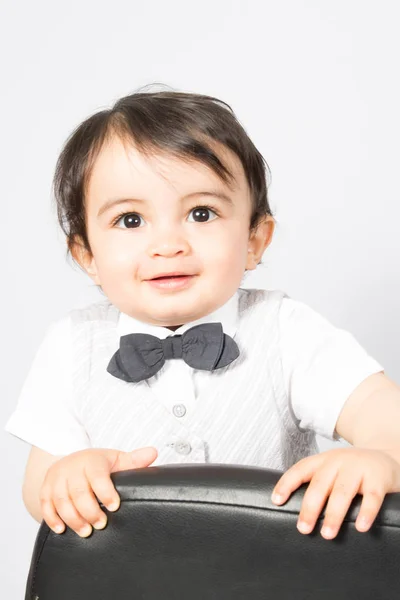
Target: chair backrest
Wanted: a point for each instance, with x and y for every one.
(204, 532)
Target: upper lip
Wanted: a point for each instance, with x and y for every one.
(173, 274)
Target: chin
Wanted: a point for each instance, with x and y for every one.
(173, 317)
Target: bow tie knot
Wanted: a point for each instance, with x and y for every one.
(172, 347)
(141, 356)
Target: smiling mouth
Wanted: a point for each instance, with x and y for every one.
(171, 281)
(165, 277)
(170, 276)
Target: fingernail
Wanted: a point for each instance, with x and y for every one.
(277, 498)
(100, 524)
(304, 527)
(85, 531)
(363, 523)
(58, 528)
(113, 506)
(327, 531)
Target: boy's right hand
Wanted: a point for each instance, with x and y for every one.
(71, 485)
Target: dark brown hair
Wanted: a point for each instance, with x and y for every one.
(174, 122)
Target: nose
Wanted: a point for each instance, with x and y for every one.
(168, 243)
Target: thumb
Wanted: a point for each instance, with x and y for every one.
(143, 457)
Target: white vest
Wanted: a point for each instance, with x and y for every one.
(242, 417)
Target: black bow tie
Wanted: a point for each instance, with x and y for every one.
(141, 355)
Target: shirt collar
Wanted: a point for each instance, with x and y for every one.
(227, 315)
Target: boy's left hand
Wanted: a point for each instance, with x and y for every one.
(340, 473)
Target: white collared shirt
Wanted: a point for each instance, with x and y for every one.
(191, 381)
(320, 366)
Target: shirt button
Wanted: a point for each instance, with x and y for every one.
(183, 447)
(179, 410)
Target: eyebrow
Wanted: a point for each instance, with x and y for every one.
(115, 202)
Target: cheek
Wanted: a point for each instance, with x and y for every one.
(114, 256)
(227, 247)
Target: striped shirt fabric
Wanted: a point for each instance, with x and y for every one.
(290, 382)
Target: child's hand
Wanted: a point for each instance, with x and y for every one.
(341, 474)
(69, 490)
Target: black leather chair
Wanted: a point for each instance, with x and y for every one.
(205, 532)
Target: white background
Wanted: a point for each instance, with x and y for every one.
(316, 85)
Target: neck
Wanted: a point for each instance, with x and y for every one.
(174, 327)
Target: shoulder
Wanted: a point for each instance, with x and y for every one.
(256, 300)
(292, 316)
(94, 317)
(96, 312)
(294, 313)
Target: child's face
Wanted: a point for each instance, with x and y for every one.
(161, 233)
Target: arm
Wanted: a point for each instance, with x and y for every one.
(370, 418)
(38, 463)
(322, 365)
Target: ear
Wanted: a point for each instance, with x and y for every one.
(260, 238)
(84, 258)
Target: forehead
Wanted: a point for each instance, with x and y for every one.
(120, 169)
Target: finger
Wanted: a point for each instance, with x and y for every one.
(67, 511)
(370, 506)
(49, 513)
(98, 477)
(315, 498)
(137, 459)
(345, 487)
(143, 457)
(86, 502)
(300, 473)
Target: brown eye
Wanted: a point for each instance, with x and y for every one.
(129, 220)
(201, 214)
